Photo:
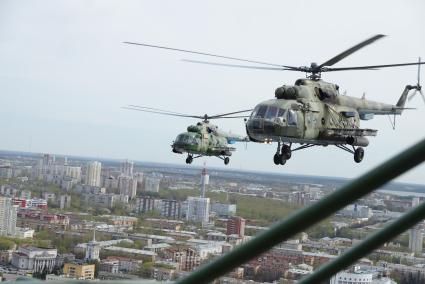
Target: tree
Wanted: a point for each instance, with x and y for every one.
(145, 270)
(6, 244)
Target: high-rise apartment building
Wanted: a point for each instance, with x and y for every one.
(171, 209)
(415, 201)
(8, 216)
(127, 186)
(65, 201)
(127, 168)
(146, 204)
(198, 209)
(152, 183)
(93, 173)
(236, 226)
(73, 172)
(416, 238)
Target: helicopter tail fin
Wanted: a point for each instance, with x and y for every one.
(402, 100)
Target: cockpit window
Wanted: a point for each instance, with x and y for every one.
(292, 117)
(261, 111)
(271, 112)
(186, 139)
(281, 112)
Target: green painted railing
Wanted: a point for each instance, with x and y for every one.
(369, 244)
(308, 216)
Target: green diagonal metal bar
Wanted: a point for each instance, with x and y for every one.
(308, 216)
(374, 241)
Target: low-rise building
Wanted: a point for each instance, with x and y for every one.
(223, 209)
(110, 266)
(80, 271)
(165, 224)
(100, 199)
(24, 233)
(145, 255)
(34, 259)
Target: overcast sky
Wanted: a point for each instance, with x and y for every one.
(65, 73)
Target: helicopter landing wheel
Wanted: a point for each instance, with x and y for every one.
(226, 160)
(276, 159)
(282, 159)
(358, 155)
(189, 160)
(286, 151)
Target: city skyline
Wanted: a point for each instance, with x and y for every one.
(161, 218)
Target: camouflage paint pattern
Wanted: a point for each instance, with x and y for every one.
(314, 112)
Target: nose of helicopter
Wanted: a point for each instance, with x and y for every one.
(184, 141)
(268, 121)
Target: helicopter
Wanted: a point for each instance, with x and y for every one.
(312, 112)
(204, 138)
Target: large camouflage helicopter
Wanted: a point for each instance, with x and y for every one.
(312, 112)
(204, 138)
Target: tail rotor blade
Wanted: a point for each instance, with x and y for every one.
(412, 95)
(419, 72)
(422, 95)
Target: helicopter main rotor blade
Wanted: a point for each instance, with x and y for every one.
(230, 113)
(238, 116)
(163, 113)
(242, 66)
(350, 51)
(203, 53)
(156, 109)
(371, 67)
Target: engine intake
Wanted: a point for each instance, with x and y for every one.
(286, 93)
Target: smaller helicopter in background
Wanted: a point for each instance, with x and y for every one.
(204, 138)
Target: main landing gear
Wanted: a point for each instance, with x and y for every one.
(358, 155)
(357, 152)
(226, 160)
(283, 153)
(190, 158)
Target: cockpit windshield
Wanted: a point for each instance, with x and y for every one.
(268, 112)
(271, 112)
(259, 112)
(186, 139)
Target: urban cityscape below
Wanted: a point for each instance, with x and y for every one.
(76, 218)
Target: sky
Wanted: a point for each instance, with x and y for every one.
(65, 74)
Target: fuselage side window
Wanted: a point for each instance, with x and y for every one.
(292, 117)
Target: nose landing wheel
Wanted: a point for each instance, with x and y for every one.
(189, 159)
(286, 151)
(283, 153)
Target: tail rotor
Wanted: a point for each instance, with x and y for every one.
(418, 87)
